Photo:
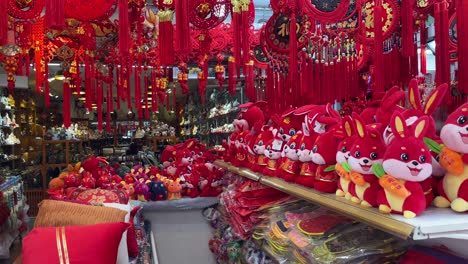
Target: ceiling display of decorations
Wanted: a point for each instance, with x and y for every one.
(115, 52)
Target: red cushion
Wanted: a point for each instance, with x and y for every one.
(132, 243)
(90, 244)
(99, 196)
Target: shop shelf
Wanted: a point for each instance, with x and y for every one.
(433, 223)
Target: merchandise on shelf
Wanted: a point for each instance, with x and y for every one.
(315, 147)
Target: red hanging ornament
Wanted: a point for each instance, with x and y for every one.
(232, 75)
(182, 39)
(66, 101)
(146, 96)
(182, 77)
(462, 41)
(407, 28)
(32, 11)
(292, 48)
(165, 41)
(124, 28)
(109, 109)
(423, 38)
(55, 13)
(99, 92)
(378, 48)
(137, 80)
(3, 22)
(46, 86)
(202, 79)
(219, 71)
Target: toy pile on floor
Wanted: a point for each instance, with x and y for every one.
(379, 155)
(186, 171)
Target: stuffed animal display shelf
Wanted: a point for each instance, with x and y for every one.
(387, 156)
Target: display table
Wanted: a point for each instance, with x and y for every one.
(181, 234)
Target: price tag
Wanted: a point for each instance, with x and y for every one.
(277, 145)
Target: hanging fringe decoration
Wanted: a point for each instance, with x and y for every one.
(154, 89)
(462, 26)
(292, 49)
(182, 77)
(232, 75)
(66, 102)
(137, 80)
(378, 48)
(202, 79)
(146, 96)
(128, 92)
(166, 46)
(407, 28)
(245, 26)
(124, 28)
(423, 38)
(55, 13)
(182, 27)
(446, 47)
(38, 42)
(109, 109)
(99, 104)
(236, 30)
(3, 22)
(46, 86)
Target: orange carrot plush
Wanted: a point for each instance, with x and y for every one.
(449, 159)
(389, 182)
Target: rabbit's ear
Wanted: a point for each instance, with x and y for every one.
(435, 99)
(413, 95)
(359, 126)
(398, 125)
(348, 126)
(70, 168)
(420, 127)
(332, 112)
(392, 98)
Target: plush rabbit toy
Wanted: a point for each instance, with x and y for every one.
(308, 169)
(453, 188)
(368, 149)
(323, 155)
(273, 152)
(290, 165)
(342, 156)
(433, 101)
(388, 106)
(259, 149)
(407, 162)
(250, 115)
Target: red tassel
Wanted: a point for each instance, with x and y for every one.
(232, 75)
(166, 32)
(46, 86)
(292, 48)
(137, 80)
(66, 104)
(146, 97)
(109, 109)
(154, 99)
(378, 44)
(99, 104)
(55, 13)
(124, 28)
(407, 28)
(28, 63)
(3, 22)
(182, 40)
(174, 98)
(245, 36)
(236, 30)
(446, 48)
(128, 91)
(423, 38)
(462, 26)
(438, 43)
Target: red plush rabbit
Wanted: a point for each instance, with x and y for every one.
(273, 152)
(289, 125)
(433, 101)
(407, 162)
(342, 155)
(308, 169)
(259, 149)
(323, 155)
(290, 165)
(240, 160)
(453, 188)
(250, 115)
(368, 149)
(388, 106)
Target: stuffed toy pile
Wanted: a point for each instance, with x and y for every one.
(186, 171)
(384, 156)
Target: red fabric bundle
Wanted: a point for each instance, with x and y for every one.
(55, 13)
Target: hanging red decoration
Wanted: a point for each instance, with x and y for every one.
(292, 63)
(232, 79)
(182, 40)
(277, 32)
(124, 28)
(33, 11)
(462, 41)
(109, 109)
(390, 18)
(146, 82)
(219, 71)
(182, 77)
(326, 11)
(55, 13)
(424, 6)
(423, 40)
(66, 101)
(3, 22)
(137, 92)
(89, 10)
(207, 14)
(38, 40)
(99, 95)
(378, 45)
(407, 28)
(165, 40)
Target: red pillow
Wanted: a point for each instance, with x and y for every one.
(90, 244)
(98, 196)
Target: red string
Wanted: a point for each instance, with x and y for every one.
(232, 75)
(182, 27)
(166, 49)
(154, 99)
(118, 86)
